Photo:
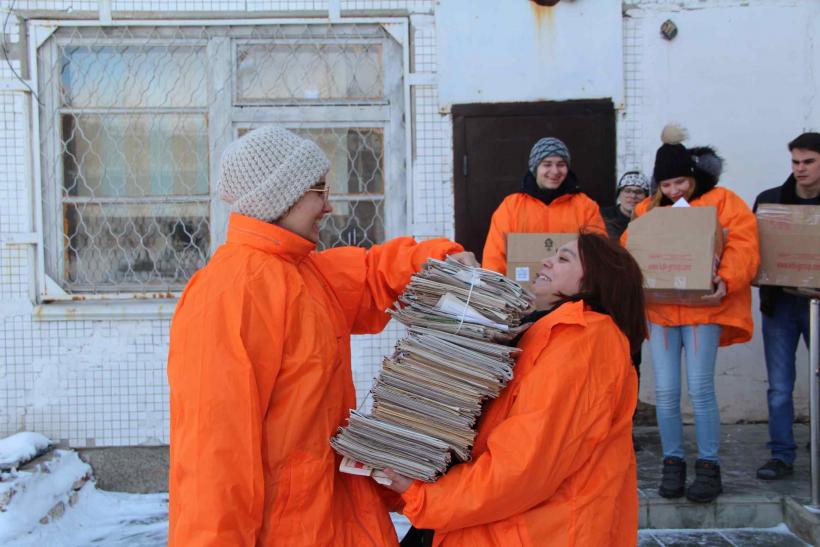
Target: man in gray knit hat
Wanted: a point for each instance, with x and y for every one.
(549, 162)
(550, 200)
(259, 362)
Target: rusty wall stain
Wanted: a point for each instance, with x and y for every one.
(544, 17)
(544, 21)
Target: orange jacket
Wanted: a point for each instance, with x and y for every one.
(260, 377)
(738, 266)
(521, 212)
(553, 462)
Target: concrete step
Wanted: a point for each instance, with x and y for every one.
(746, 502)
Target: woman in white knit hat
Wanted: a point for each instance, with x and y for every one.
(259, 361)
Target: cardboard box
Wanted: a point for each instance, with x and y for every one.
(677, 249)
(789, 245)
(526, 251)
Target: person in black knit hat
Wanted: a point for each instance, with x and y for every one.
(719, 319)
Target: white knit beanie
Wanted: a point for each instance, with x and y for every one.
(267, 170)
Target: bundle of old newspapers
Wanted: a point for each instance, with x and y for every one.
(428, 396)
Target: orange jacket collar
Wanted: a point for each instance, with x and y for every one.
(267, 237)
(570, 313)
(559, 199)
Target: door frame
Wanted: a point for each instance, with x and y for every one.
(461, 112)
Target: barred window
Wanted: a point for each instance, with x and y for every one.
(133, 121)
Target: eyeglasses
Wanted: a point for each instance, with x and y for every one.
(634, 192)
(324, 190)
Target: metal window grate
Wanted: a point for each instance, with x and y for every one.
(134, 120)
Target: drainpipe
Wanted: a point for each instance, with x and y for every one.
(814, 378)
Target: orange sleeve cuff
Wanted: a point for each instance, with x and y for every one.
(413, 499)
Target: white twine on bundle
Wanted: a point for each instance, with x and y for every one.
(475, 279)
(366, 398)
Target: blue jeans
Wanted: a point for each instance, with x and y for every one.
(700, 344)
(781, 334)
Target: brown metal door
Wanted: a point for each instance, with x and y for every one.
(491, 145)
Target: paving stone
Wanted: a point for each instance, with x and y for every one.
(742, 451)
(645, 539)
(762, 538)
(691, 538)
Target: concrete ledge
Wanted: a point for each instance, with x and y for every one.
(135, 469)
(802, 521)
(746, 502)
(728, 511)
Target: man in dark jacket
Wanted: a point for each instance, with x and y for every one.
(785, 315)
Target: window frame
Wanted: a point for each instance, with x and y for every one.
(225, 116)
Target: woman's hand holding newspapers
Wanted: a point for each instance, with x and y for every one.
(467, 258)
(398, 483)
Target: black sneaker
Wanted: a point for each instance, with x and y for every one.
(775, 469)
(707, 485)
(673, 479)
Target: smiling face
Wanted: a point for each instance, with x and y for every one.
(551, 172)
(629, 197)
(806, 170)
(676, 188)
(560, 277)
(304, 217)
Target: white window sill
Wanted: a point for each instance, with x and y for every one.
(126, 310)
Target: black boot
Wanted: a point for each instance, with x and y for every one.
(673, 479)
(706, 486)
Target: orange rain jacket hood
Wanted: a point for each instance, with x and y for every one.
(521, 212)
(553, 462)
(738, 266)
(260, 377)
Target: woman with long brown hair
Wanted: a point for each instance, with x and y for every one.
(553, 462)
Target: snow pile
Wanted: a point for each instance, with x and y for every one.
(112, 519)
(40, 493)
(21, 448)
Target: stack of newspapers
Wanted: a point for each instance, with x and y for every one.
(428, 396)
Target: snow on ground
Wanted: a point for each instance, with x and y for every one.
(21, 447)
(112, 519)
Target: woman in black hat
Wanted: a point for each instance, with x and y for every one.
(720, 319)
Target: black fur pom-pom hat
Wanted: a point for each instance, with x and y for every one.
(674, 160)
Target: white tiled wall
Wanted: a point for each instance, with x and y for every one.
(419, 6)
(629, 118)
(182, 5)
(103, 383)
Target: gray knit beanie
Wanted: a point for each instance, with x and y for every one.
(267, 170)
(548, 146)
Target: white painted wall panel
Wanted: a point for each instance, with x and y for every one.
(743, 77)
(492, 51)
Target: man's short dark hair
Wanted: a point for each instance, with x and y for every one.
(806, 141)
